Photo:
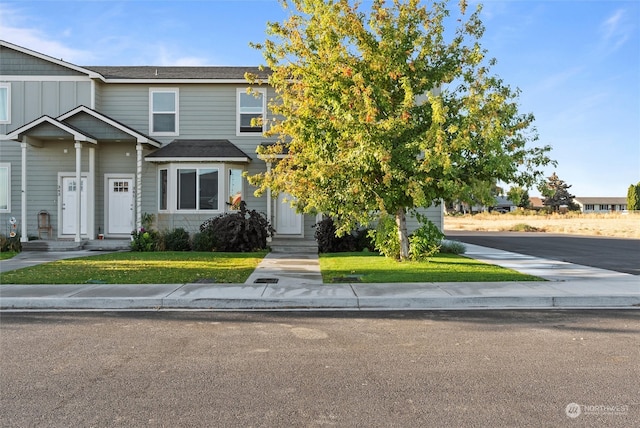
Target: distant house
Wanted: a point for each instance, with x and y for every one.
(536, 203)
(601, 204)
(96, 147)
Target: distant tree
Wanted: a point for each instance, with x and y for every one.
(555, 193)
(519, 196)
(633, 197)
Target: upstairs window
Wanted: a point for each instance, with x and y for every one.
(251, 111)
(163, 111)
(5, 103)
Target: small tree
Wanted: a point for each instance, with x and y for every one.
(519, 196)
(555, 193)
(382, 111)
(633, 197)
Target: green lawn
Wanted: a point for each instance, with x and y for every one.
(182, 267)
(141, 268)
(4, 255)
(370, 267)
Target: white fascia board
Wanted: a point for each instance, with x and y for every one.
(90, 73)
(198, 160)
(177, 81)
(139, 137)
(17, 78)
(77, 136)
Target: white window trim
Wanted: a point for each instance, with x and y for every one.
(239, 91)
(8, 86)
(175, 91)
(8, 167)
(172, 190)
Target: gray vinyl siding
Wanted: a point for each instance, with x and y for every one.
(10, 153)
(14, 63)
(128, 104)
(43, 165)
(31, 100)
(433, 213)
(97, 128)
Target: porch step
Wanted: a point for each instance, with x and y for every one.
(67, 245)
(293, 246)
(108, 245)
(42, 245)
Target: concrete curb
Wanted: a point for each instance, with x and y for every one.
(333, 297)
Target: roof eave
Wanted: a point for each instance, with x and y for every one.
(198, 159)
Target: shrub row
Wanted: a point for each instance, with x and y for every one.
(425, 241)
(240, 231)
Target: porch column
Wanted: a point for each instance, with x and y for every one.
(269, 202)
(91, 196)
(138, 186)
(78, 147)
(23, 193)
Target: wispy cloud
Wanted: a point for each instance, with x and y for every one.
(615, 30)
(14, 29)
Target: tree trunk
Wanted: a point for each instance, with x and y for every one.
(401, 222)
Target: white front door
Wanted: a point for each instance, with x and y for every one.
(69, 189)
(120, 205)
(288, 221)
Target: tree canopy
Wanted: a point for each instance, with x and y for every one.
(555, 193)
(633, 197)
(386, 110)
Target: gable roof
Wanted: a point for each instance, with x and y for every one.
(50, 59)
(140, 137)
(77, 134)
(199, 151)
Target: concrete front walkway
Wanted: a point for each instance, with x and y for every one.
(293, 281)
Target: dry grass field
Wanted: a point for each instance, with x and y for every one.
(611, 225)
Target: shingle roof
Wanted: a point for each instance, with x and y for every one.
(611, 200)
(199, 149)
(160, 73)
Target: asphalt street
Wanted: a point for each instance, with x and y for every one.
(617, 254)
(379, 369)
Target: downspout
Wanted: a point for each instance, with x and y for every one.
(23, 190)
(91, 195)
(269, 202)
(78, 147)
(138, 186)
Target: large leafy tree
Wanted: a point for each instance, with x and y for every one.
(384, 111)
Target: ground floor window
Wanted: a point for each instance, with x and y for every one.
(5, 187)
(199, 188)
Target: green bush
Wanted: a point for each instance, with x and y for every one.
(241, 231)
(328, 242)
(202, 241)
(426, 240)
(385, 237)
(523, 227)
(10, 243)
(144, 240)
(177, 240)
(452, 247)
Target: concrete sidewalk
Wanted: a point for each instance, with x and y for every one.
(288, 282)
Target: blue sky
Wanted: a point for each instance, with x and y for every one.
(577, 62)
